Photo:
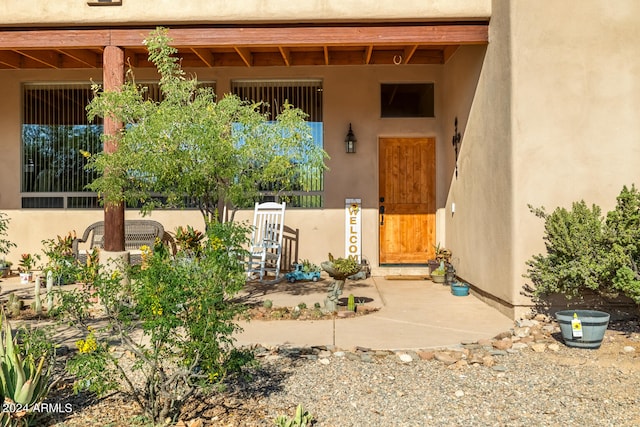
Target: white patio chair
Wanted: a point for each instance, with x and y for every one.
(266, 239)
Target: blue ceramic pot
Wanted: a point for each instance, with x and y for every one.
(460, 289)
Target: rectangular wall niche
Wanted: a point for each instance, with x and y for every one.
(407, 100)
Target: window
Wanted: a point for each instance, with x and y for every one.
(55, 130)
(303, 94)
(407, 100)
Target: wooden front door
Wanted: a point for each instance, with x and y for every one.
(407, 190)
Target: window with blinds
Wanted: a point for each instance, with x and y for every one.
(305, 95)
(55, 131)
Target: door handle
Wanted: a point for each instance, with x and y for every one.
(381, 215)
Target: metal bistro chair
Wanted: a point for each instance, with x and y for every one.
(265, 252)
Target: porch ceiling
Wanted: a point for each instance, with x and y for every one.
(206, 46)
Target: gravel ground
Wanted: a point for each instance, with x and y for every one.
(524, 385)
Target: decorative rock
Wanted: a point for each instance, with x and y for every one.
(459, 393)
(539, 347)
(445, 358)
(426, 355)
(628, 349)
(339, 354)
(502, 335)
(366, 357)
(405, 358)
(526, 323)
(499, 368)
(519, 346)
(502, 344)
(521, 332)
(554, 347)
(324, 353)
(476, 359)
(488, 361)
(324, 361)
(460, 364)
(485, 342)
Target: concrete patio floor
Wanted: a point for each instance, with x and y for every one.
(413, 314)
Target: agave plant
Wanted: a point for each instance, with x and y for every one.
(23, 383)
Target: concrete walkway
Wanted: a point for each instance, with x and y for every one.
(413, 314)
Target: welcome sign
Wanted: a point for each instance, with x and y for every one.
(353, 229)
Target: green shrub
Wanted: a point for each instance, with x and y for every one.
(5, 244)
(185, 308)
(585, 252)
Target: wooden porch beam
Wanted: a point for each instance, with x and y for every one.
(10, 59)
(205, 56)
(286, 55)
(441, 34)
(245, 55)
(113, 76)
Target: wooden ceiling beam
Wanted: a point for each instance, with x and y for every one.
(55, 39)
(408, 53)
(441, 34)
(286, 55)
(48, 58)
(245, 55)
(10, 59)
(205, 56)
(85, 57)
(449, 51)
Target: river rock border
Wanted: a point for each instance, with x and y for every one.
(534, 335)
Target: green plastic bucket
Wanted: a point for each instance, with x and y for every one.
(594, 325)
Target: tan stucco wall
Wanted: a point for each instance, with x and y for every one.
(351, 95)
(575, 109)
(153, 12)
(479, 232)
(554, 120)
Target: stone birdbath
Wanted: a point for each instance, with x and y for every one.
(339, 276)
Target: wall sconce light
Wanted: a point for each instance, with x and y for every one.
(350, 141)
(456, 141)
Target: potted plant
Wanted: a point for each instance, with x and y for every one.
(189, 240)
(5, 268)
(439, 274)
(442, 254)
(26, 265)
(5, 245)
(61, 260)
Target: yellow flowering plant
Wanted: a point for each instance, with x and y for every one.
(186, 309)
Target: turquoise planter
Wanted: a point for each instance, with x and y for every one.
(593, 324)
(460, 289)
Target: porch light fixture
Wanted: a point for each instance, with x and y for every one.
(350, 141)
(455, 141)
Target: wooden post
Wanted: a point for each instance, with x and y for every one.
(113, 76)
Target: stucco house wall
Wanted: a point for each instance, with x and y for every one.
(554, 120)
